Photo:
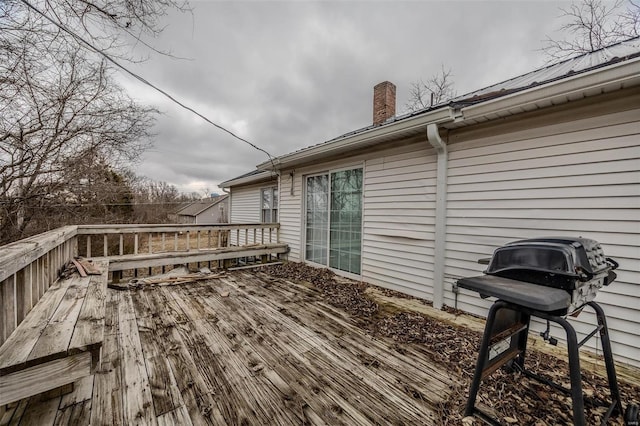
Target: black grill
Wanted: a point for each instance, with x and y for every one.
(546, 278)
(575, 265)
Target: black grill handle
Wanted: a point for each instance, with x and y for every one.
(612, 263)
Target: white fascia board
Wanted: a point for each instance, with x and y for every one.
(620, 73)
(364, 138)
(259, 177)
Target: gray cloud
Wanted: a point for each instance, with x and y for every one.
(286, 75)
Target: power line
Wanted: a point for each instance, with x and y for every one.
(143, 80)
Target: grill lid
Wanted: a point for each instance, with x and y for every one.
(542, 260)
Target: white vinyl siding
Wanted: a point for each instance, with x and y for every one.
(290, 213)
(399, 218)
(575, 178)
(246, 205)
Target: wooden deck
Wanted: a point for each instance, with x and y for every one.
(241, 349)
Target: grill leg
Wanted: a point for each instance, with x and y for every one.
(574, 372)
(484, 350)
(608, 357)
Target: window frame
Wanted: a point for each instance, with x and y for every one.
(273, 207)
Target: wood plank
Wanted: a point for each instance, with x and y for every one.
(23, 295)
(41, 413)
(88, 333)
(93, 267)
(166, 228)
(176, 417)
(56, 336)
(138, 405)
(15, 351)
(44, 377)
(10, 414)
(8, 303)
(121, 263)
(164, 391)
(79, 267)
(74, 415)
(82, 391)
(107, 404)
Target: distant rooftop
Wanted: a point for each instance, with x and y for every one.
(199, 206)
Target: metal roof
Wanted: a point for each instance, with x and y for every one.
(589, 61)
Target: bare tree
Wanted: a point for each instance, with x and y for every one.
(156, 202)
(63, 117)
(436, 90)
(591, 25)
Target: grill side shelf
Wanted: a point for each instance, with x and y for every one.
(532, 296)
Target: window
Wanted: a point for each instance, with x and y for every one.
(334, 220)
(269, 204)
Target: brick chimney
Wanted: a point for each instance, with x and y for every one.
(384, 102)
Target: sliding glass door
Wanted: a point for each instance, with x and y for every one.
(334, 219)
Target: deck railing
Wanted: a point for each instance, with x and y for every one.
(28, 267)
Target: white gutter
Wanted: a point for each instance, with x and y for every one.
(361, 139)
(258, 177)
(433, 137)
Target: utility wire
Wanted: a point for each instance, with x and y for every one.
(143, 80)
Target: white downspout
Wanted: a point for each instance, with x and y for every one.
(433, 136)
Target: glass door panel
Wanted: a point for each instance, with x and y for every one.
(317, 220)
(346, 220)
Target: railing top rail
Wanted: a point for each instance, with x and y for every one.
(141, 228)
(17, 255)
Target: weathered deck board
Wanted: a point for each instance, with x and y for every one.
(138, 406)
(243, 349)
(88, 333)
(19, 345)
(107, 404)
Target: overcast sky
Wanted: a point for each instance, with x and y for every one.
(286, 75)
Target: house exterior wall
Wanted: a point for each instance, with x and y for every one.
(183, 219)
(214, 214)
(573, 173)
(398, 215)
